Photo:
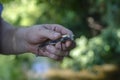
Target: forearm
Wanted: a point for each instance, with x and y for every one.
(12, 39)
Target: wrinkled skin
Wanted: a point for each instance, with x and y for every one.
(38, 34)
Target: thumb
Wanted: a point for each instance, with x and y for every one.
(50, 34)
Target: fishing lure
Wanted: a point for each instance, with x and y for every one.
(63, 39)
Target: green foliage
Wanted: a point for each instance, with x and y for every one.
(104, 48)
(68, 13)
(5, 1)
(15, 67)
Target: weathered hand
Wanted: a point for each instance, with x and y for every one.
(38, 34)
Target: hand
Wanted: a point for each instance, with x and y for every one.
(38, 34)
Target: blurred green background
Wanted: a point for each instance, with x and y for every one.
(95, 24)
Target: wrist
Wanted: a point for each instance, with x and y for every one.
(12, 39)
(19, 42)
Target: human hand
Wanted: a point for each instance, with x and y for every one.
(39, 34)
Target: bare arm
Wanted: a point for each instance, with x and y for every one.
(21, 40)
(11, 39)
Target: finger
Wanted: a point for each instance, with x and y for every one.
(73, 45)
(41, 51)
(52, 56)
(67, 46)
(58, 28)
(61, 46)
(49, 34)
(51, 49)
(45, 53)
(70, 44)
(54, 50)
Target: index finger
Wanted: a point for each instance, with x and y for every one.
(58, 28)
